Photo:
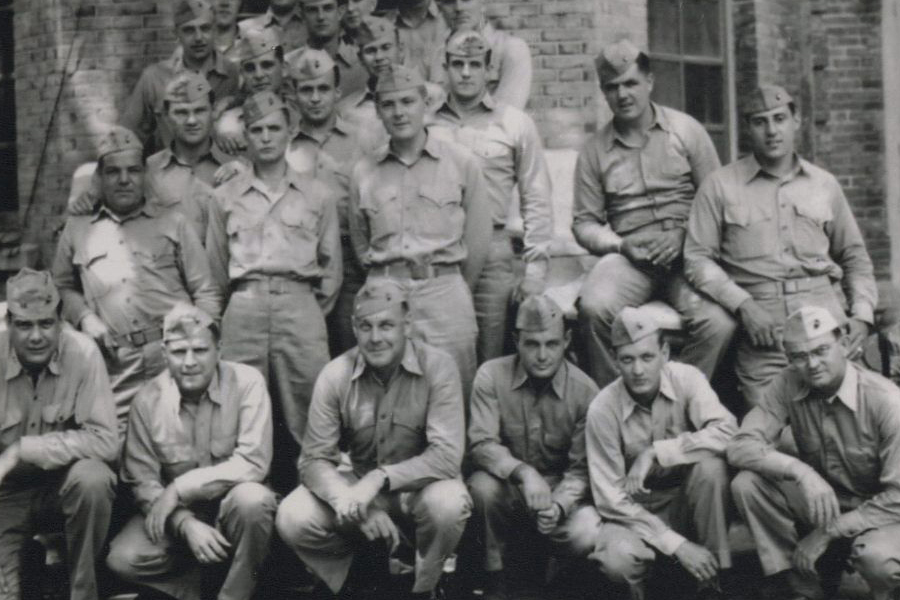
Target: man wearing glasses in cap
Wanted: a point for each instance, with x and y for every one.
(772, 232)
(198, 448)
(839, 498)
(57, 434)
(396, 405)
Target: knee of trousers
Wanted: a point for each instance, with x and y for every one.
(746, 489)
(715, 322)
(445, 504)
(623, 556)
(876, 557)
(131, 563)
(250, 503)
(91, 479)
(300, 519)
(486, 490)
(712, 472)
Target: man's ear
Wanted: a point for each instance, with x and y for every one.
(666, 350)
(567, 336)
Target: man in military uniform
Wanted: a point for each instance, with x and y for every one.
(656, 442)
(287, 17)
(122, 267)
(526, 437)
(509, 148)
(195, 53)
(419, 214)
(422, 33)
(396, 404)
(634, 183)
(354, 13)
(838, 497)
(772, 232)
(226, 32)
(198, 448)
(274, 243)
(59, 431)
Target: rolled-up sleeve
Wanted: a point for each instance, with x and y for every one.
(485, 446)
(535, 199)
(574, 486)
(329, 256)
(68, 279)
(589, 224)
(141, 469)
(198, 279)
(848, 249)
(477, 231)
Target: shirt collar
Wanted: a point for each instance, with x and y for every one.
(169, 156)
(14, 367)
(410, 362)
(170, 395)
(148, 210)
(660, 120)
(666, 391)
(558, 382)
(432, 148)
(340, 126)
(487, 102)
(848, 393)
(215, 63)
(248, 179)
(752, 168)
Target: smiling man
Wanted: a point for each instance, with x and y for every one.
(840, 497)
(772, 232)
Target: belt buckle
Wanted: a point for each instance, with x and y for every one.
(791, 286)
(417, 271)
(276, 286)
(138, 338)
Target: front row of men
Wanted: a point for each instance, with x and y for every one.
(638, 471)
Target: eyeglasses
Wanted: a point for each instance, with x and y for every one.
(801, 358)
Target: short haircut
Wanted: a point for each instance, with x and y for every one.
(487, 57)
(212, 102)
(422, 90)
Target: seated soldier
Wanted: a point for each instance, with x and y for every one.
(198, 447)
(58, 431)
(841, 497)
(656, 440)
(526, 435)
(396, 404)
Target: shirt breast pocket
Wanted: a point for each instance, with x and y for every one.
(11, 425)
(55, 417)
(157, 256)
(750, 231)
(222, 447)
(809, 227)
(299, 218)
(865, 466)
(98, 272)
(441, 214)
(176, 459)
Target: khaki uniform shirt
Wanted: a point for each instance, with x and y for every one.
(293, 27)
(67, 415)
(358, 109)
(509, 148)
(851, 439)
(512, 424)
(205, 447)
(433, 211)
(346, 56)
(421, 43)
(411, 426)
(620, 188)
(685, 422)
(290, 231)
(748, 227)
(130, 272)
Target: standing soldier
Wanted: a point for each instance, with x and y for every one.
(422, 33)
(274, 243)
(354, 13)
(419, 214)
(287, 17)
(634, 183)
(508, 146)
(226, 33)
(122, 267)
(770, 233)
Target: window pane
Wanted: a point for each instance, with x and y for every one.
(703, 22)
(720, 140)
(7, 111)
(663, 26)
(6, 42)
(667, 83)
(704, 93)
(8, 186)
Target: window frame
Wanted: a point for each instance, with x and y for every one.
(9, 199)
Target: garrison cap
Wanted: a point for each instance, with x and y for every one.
(373, 29)
(256, 42)
(187, 87)
(184, 321)
(188, 10)
(311, 64)
(261, 104)
(467, 43)
(616, 58)
(31, 294)
(766, 97)
(538, 313)
(632, 325)
(118, 139)
(378, 295)
(399, 78)
(808, 323)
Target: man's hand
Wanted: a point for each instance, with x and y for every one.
(155, 523)
(809, 550)
(761, 326)
(529, 286)
(84, 204)
(534, 487)
(637, 474)
(93, 327)
(857, 333)
(821, 501)
(635, 246)
(9, 458)
(665, 247)
(697, 560)
(206, 542)
(227, 172)
(352, 505)
(379, 526)
(548, 519)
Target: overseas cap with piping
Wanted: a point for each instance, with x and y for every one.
(261, 104)
(118, 139)
(31, 294)
(378, 295)
(184, 321)
(256, 42)
(373, 29)
(808, 323)
(632, 325)
(538, 313)
(311, 64)
(766, 97)
(188, 10)
(398, 78)
(187, 87)
(616, 59)
(467, 43)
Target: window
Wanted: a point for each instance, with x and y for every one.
(9, 189)
(688, 44)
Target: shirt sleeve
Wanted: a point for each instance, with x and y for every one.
(359, 227)
(536, 205)
(217, 243)
(139, 112)
(252, 455)
(68, 280)
(589, 224)
(198, 278)
(574, 486)
(96, 436)
(141, 469)
(485, 446)
(606, 465)
(479, 223)
(514, 87)
(329, 257)
(848, 249)
(702, 154)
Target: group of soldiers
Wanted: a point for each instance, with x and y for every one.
(284, 301)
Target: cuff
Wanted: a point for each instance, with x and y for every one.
(504, 469)
(184, 488)
(733, 296)
(848, 525)
(176, 519)
(669, 453)
(667, 542)
(31, 450)
(863, 311)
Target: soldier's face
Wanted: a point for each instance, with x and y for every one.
(542, 352)
(467, 76)
(403, 113)
(267, 138)
(628, 95)
(226, 11)
(382, 336)
(378, 56)
(356, 11)
(640, 364)
(122, 181)
(34, 339)
(190, 122)
(323, 19)
(820, 362)
(264, 72)
(773, 133)
(192, 361)
(317, 99)
(196, 39)
(462, 15)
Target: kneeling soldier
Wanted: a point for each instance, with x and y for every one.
(843, 492)
(527, 437)
(656, 440)
(396, 404)
(198, 447)
(58, 427)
